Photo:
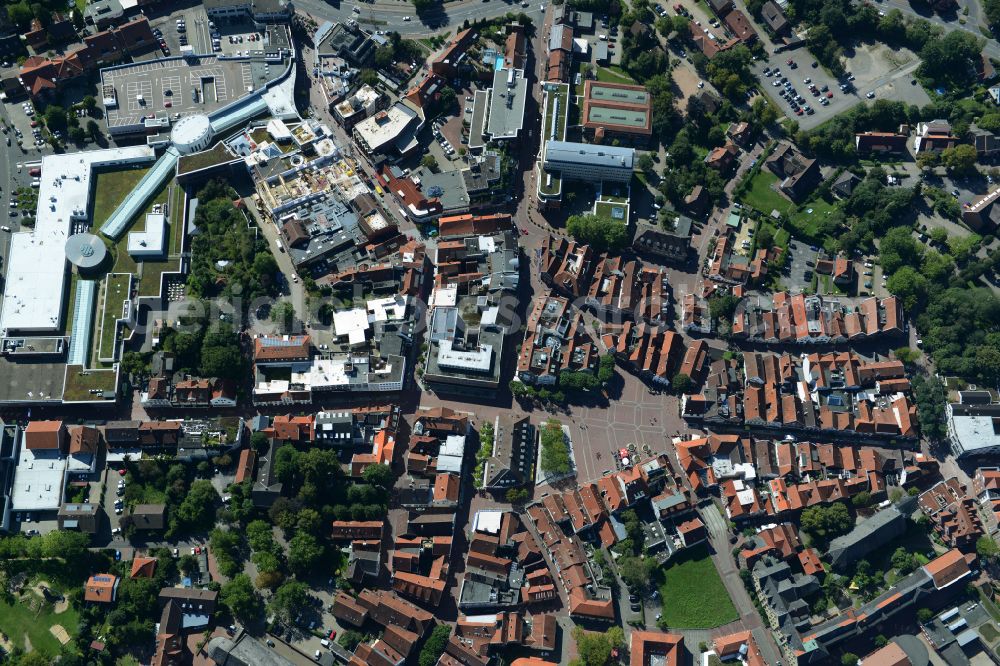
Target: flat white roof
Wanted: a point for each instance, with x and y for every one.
(454, 445)
(487, 521)
(36, 266)
(446, 296)
(278, 130)
(38, 480)
(388, 309)
(151, 240)
(324, 373)
(386, 126)
(478, 360)
(351, 323)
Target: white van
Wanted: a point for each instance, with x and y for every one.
(603, 38)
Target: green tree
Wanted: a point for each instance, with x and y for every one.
(939, 235)
(849, 659)
(429, 162)
(903, 561)
(283, 316)
(384, 57)
(447, 98)
(722, 308)
(241, 599)
(134, 364)
(197, 510)
(909, 285)
(764, 237)
(379, 476)
(69, 546)
(960, 159)
(606, 369)
(987, 548)
(682, 384)
(435, 645)
(601, 233)
(826, 522)
(93, 130)
(89, 103)
(259, 442)
(594, 649)
(636, 572)
(862, 499)
(924, 615)
(350, 639)
(77, 134)
(20, 14)
(645, 163)
(289, 601)
(220, 354)
(898, 248)
(555, 454)
(517, 495)
(304, 553)
(930, 396)
(187, 563)
(578, 380)
(55, 118)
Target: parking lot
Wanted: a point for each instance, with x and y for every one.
(175, 87)
(799, 267)
(788, 77)
(192, 27)
(873, 73)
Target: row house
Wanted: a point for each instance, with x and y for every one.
(824, 393)
(166, 393)
(555, 341)
(695, 315)
(625, 289)
(485, 635)
(572, 569)
(652, 353)
(802, 319)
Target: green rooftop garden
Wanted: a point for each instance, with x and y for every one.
(80, 381)
(110, 189)
(118, 287)
(217, 154)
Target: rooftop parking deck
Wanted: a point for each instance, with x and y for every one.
(175, 87)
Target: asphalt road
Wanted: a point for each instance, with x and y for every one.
(390, 15)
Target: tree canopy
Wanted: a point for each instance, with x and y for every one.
(601, 233)
(555, 452)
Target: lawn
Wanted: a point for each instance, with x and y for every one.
(118, 285)
(989, 632)
(806, 223)
(693, 594)
(18, 621)
(110, 189)
(78, 385)
(765, 199)
(613, 74)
